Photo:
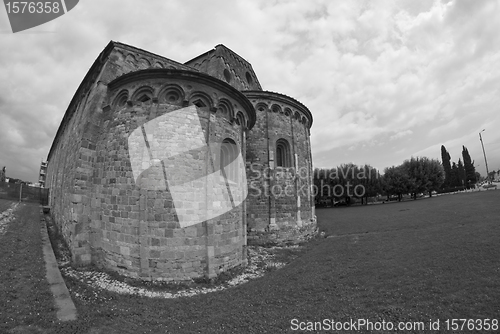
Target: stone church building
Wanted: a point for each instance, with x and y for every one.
(166, 171)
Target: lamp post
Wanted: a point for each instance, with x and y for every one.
(485, 161)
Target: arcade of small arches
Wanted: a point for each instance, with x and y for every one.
(143, 62)
(276, 108)
(146, 63)
(174, 94)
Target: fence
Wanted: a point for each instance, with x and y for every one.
(24, 193)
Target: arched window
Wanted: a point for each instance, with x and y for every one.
(261, 106)
(240, 120)
(276, 108)
(171, 94)
(143, 94)
(201, 100)
(228, 163)
(283, 156)
(225, 109)
(304, 120)
(121, 99)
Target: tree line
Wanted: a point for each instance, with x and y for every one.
(345, 181)
(415, 176)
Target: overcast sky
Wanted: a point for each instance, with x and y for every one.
(384, 80)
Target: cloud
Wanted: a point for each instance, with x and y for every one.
(401, 134)
(386, 80)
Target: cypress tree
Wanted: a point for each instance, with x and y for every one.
(461, 173)
(445, 158)
(454, 179)
(470, 170)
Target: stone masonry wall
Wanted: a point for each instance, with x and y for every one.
(70, 162)
(279, 201)
(227, 66)
(136, 224)
(137, 228)
(116, 223)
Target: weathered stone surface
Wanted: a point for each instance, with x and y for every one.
(280, 203)
(135, 223)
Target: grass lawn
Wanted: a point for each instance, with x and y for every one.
(25, 298)
(436, 258)
(5, 204)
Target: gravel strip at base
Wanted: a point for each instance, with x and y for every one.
(261, 259)
(6, 217)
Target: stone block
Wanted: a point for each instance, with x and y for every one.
(125, 251)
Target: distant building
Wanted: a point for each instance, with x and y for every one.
(43, 173)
